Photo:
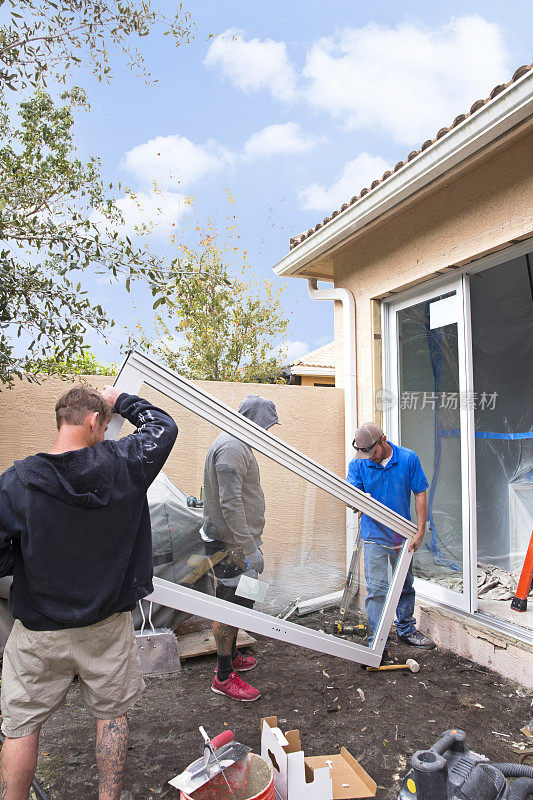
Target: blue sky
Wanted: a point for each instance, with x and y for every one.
(292, 107)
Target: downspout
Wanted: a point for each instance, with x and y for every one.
(350, 386)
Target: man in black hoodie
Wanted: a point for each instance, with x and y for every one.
(75, 534)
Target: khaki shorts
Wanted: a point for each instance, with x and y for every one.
(39, 667)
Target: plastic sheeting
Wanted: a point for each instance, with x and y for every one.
(429, 379)
(177, 547)
(502, 340)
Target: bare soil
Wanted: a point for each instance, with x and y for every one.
(401, 712)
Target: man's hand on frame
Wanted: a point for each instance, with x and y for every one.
(110, 395)
(416, 541)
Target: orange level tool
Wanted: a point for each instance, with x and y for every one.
(519, 601)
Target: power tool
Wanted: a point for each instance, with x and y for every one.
(339, 627)
(450, 771)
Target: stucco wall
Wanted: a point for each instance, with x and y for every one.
(465, 217)
(305, 528)
(461, 219)
(312, 380)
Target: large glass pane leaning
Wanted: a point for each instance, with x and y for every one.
(221, 507)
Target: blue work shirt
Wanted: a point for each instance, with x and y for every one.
(391, 485)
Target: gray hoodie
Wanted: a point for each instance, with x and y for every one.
(234, 504)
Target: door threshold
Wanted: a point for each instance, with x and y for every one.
(507, 629)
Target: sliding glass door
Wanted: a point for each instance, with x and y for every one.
(432, 415)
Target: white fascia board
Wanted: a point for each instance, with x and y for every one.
(300, 369)
(512, 106)
(208, 407)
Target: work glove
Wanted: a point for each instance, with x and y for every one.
(255, 560)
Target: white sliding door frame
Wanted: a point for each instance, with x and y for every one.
(139, 369)
(391, 380)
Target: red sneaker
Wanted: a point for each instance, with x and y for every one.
(235, 688)
(244, 663)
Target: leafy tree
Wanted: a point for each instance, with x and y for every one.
(85, 364)
(49, 201)
(56, 220)
(46, 38)
(218, 326)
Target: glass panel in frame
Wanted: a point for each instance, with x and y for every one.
(303, 537)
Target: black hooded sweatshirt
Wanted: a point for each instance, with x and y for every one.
(75, 527)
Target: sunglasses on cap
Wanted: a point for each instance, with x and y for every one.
(366, 449)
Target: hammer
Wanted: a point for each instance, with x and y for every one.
(410, 664)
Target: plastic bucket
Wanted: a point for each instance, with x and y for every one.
(250, 779)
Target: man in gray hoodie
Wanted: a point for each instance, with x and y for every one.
(234, 518)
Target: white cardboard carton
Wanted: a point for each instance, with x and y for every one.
(338, 777)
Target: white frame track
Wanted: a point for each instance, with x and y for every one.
(139, 369)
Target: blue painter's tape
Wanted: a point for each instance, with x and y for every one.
(488, 434)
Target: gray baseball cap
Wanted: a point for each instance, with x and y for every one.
(366, 438)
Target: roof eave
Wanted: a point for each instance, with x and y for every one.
(300, 369)
(505, 111)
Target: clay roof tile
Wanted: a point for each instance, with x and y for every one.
(497, 89)
(476, 106)
(521, 71)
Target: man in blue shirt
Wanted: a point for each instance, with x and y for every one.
(389, 473)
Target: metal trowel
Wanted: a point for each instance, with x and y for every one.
(220, 753)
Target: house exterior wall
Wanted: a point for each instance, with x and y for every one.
(481, 210)
(305, 527)
(311, 380)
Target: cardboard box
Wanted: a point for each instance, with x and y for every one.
(296, 777)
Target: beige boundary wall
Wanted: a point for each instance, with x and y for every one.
(305, 527)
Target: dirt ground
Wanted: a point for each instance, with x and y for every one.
(401, 712)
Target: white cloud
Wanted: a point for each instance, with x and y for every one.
(253, 65)
(408, 81)
(355, 176)
(290, 350)
(174, 162)
(276, 140)
(157, 210)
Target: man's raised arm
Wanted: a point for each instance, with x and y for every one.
(155, 431)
